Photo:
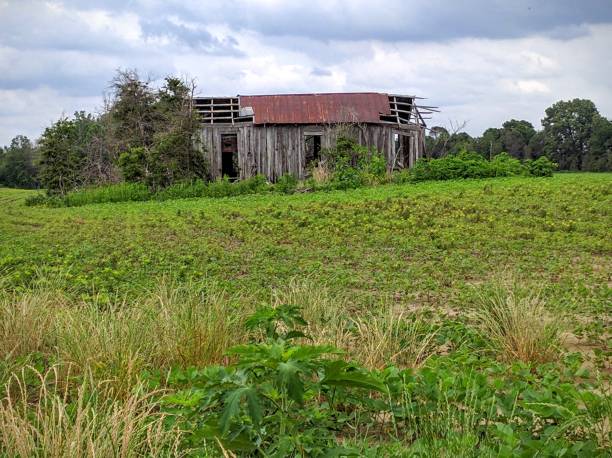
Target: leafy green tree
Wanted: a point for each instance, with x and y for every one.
(536, 146)
(460, 141)
(17, 164)
(63, 152)
(490, 144)
(599, 157)
(568, 128)
(60, 163)
(167, 152)
(436, 141)
(515, 137)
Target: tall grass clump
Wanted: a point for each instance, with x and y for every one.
(375, 339)
(222, 187)
(26, 322)
(517, 325)
(327, 314)
(321, 174)
(175, 326)
(191, 324)
(120, 192)
(195, 323)
(53, 420)
(126, 192)
(388, 338)
(183, 190)
(446, 423)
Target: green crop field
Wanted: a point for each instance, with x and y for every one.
(480, 310)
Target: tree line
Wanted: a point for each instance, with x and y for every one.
(574, 135)
(147, 135)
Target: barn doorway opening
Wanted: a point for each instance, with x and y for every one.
(229, 156)
(397, 152)
(406, 151)
(312, 149)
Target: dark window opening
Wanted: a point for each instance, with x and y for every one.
(229, 156)
(313, 148)
(406, 151)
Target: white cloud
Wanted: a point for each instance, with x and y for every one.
(28, 112)
(124, 26)
(525, 86)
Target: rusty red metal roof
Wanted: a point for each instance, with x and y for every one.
(317, 108)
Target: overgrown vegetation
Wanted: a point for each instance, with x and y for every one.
(347, 166)
(52, 413)
(369, 322)
(285, 398)
(473, 165)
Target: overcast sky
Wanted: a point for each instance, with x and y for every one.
(480, 61)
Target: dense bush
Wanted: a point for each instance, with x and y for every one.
(504, 165)
(132, 163)
(354, 165)
(541, 167)
(473, 165)
(463, 165)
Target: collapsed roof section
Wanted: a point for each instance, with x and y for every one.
(331, 108)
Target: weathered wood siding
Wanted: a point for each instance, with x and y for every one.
(274, 150)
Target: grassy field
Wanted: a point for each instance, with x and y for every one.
(506, 279)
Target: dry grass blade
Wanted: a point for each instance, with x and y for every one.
(177, 325)
(390, 338)
(373, 339)
(321, 173)
(26, 322)
(517, 325)
(196, 324)
(86, 421)
(325, 313)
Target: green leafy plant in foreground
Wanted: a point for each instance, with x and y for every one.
(283, 398)
(279, 398)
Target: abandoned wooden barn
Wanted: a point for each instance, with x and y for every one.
(276, 134)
